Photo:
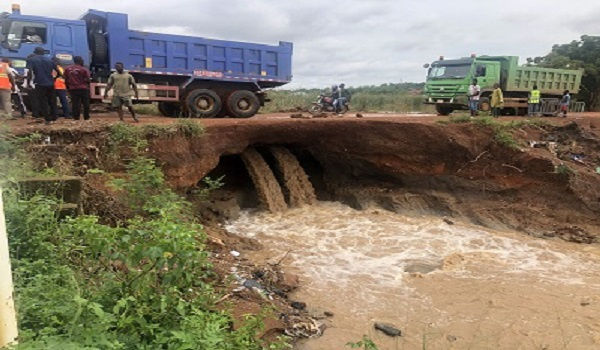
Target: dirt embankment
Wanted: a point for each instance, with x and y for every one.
(456, 170)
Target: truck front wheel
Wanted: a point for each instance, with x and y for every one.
(442, 110)
(204, 103)
(484, 104)
(242, 104)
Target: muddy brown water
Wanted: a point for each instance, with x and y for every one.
(267, 187)
(446, 286)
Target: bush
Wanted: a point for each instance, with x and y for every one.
(146, 283)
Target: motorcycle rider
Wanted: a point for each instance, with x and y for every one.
(341, 97)
(333, 95)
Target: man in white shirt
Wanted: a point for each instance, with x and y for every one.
(16, 96)
(474, 94)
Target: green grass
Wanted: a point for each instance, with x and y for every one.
(503, 131)
(362, 101)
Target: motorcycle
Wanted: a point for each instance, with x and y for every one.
(324, 104)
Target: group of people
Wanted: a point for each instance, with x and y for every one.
(46, 81)
(340, 96)
(497, 100)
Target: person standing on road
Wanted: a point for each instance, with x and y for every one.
(497, 101)
(29, 87)
(77, 78)
(17, 98)
(124, 88)
(474, 95)
(42, 68)
(534, 102)
(7, 86)
(61, 90)
(565, 102)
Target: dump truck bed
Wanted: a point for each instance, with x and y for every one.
(165, 54)
(548, 81)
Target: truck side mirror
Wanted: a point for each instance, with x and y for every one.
(426, 65)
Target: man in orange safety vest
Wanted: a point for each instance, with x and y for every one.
(7, 85)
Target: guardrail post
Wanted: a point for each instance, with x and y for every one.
(8, 316)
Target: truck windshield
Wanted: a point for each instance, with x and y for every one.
(449, 71)
(24, 32)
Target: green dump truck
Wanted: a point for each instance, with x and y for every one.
(448, 82)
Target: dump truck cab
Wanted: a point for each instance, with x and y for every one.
(21, 34)
(448, 81)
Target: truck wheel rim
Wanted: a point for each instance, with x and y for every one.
(243, 104)
(204, 104)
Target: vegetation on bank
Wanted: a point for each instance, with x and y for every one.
(396, 98)
(502, 130)
(145, 283)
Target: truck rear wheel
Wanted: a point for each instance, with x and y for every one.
(204, 103)
(442, 110)
(169, 109)
(242, 104)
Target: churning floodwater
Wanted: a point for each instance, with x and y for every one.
(446, 285)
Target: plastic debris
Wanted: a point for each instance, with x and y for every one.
(235, 254)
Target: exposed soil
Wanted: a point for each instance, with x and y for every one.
(406, 164)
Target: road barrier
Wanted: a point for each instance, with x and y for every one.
(551, 107)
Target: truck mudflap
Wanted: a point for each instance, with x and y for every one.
(147, 92)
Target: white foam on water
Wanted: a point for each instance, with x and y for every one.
(332, 243)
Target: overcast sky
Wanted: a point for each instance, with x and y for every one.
(359, 42)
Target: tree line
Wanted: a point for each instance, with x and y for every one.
(583, 53)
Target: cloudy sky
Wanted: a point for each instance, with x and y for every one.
(359, 42)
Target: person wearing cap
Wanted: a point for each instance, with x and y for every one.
(7, 84)
(60, 87)
(42, 68)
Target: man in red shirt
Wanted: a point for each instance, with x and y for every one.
(77, 78)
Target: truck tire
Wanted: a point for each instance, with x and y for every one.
(242, 104)
(99, 48)
(442, 110)
(485, 105)
(169, 109)
(203, 103)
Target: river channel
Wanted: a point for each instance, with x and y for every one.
(445, 284)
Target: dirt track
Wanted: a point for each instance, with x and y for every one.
(29, 125)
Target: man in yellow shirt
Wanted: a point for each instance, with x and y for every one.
(497, 101)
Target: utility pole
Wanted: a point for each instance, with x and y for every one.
(8, 316)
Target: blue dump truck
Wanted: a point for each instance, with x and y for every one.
(186, 76)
